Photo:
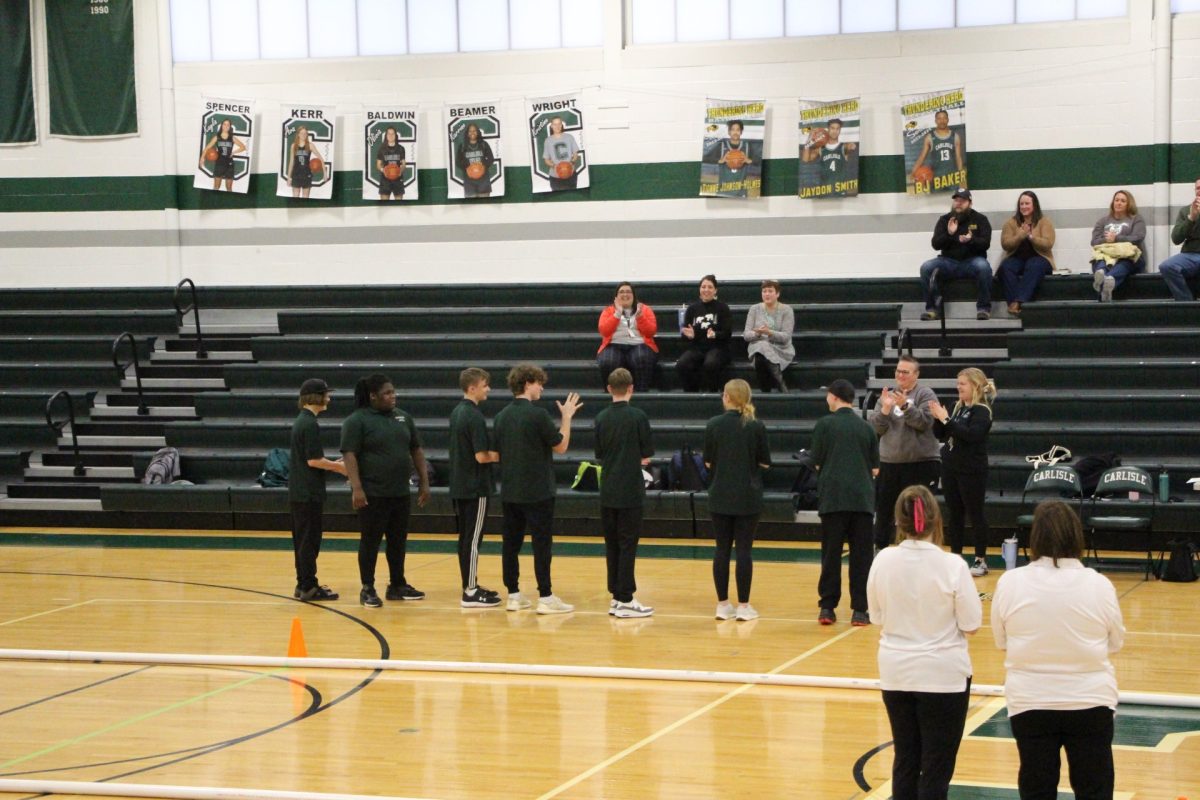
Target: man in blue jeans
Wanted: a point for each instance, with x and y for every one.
(1186, 263)
(963, 237)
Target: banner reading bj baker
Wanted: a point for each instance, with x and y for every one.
(390, 154)
(935, 141)
(306, 152)
(226, 136)
(474, 167)
(731, 162)
(829, 138)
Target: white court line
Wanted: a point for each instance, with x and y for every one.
(50, 611)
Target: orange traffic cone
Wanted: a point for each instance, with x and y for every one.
(296, 648)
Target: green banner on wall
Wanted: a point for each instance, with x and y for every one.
(17, 121)
(89, 46)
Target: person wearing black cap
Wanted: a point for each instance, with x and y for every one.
(963, 237)
(845, 451)
(306, 489)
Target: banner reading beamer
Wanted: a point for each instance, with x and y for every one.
(226, 138)
(89, 56)
(306, 154)
(935, 141)
(830, 133)
(731, 162)
(558, 161)
(390, 153)
(474, 167)
(17, 119)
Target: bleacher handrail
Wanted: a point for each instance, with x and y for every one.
(194, 307)
(79, 470)
(142, 409)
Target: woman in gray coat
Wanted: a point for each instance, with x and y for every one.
(768, 337)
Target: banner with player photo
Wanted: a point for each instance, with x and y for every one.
(390, 153)
(558, 161)
(935, 141)
(830, 133)
(473, 166)
(306, 152)
(226, 139)
(731, 162)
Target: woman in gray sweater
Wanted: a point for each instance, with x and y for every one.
(768, 336)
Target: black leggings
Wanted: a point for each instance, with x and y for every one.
(728, 529)
(964, 496)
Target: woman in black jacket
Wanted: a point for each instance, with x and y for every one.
(965, 460)
(706, 328)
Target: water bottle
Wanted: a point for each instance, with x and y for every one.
(682, 315)
(1164, 487)
(1009, 550)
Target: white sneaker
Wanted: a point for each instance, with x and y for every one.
(632, 609)
(1098, 277)
(725, 610)
(746, 612)
(612, 608)
(553, 605)
(979, 568)
(1106, 290)
(517, 602)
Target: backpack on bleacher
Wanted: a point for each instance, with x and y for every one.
(163, 467)
(804, 488)
(276, 468)
(587, 477)
(686, 472)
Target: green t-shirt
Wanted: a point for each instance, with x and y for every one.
(735, 450)
(468, 435)
(622, 441)
(383, 442)
(846, 448)
(306, 484)
(525, 436)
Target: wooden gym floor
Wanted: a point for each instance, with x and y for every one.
(447, 735)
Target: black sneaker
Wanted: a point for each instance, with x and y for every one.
(369, 599)
(405, 592)
(318, 594)
(485, 590)
(860, 619)
(480, 600)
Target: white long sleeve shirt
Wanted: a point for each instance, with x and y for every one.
(924, 599)
(1059, 625)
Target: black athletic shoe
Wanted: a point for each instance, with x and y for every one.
(369, 598)
(318, 594)
(480, 600)
(485, 590)
(405, 592)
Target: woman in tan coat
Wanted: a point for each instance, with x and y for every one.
(1027, 240)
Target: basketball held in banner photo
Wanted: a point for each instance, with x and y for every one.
(392, 172)
(210, 154)
(735, 159)
(923, 174)
(315, 164)
(475, 171)
(818, 137)
(564, 169)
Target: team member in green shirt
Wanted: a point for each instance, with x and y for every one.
(526, 439)
(622, 447)
(380, 447)
(471, 460)
(736, 452)
(306, 489)
(845, 450)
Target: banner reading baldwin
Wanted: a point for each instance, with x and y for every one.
(935, 141)
(830, 133)
(731, 162)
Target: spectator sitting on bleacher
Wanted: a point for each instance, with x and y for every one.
(707, 327)
(963, 237)
(1186, 263)
(1117, 240)
(627, 330)
(768, 336)
(1027, 239)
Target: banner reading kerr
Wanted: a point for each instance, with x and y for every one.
(731, 163)
(935, 141)
(830, 133)
(474, 167)
(306, 152)
(558, 161)
(226, 138)
(390, 153)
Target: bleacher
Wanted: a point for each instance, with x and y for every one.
(1118, 377)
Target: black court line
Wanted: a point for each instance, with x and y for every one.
(83, 688)
(861, 764)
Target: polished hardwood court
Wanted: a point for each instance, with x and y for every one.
(440, 734)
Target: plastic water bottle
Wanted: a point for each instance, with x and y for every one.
(682, 315)
(1009, 550)
(1164, 487)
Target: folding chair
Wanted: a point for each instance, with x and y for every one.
(1053, 482)
(1138, 486)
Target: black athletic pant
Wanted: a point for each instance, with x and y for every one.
(622, 528)
(702, 369)
(894, 479)
(539, 519)
(468, 517)
(1087, 736)
(383, 516)
(964, 496)
(306, 541)
(837, 528)
(728, 529)
(770, 376)
(927, 728)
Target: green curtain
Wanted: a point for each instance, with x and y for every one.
(17, 121)
(90, 57)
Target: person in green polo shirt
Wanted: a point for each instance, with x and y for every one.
(380, 447)
(526, 439)
(622, 446)
(306, 489)
(471, 459)
(737, 454)
(845, 451)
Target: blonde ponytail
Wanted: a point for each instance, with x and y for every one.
(738, 392)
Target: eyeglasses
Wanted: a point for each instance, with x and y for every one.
(904, 372)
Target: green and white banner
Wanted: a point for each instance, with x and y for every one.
(558, 161)
(732, 155)
(226, 139)
(89, 55)
(830, 133)
(306, 152)
(18, 122)
(935, 140)
(474, 167)
(390, 153)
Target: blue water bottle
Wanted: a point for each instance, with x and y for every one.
(1164, 487)
(1009, 550)
(682, 315)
